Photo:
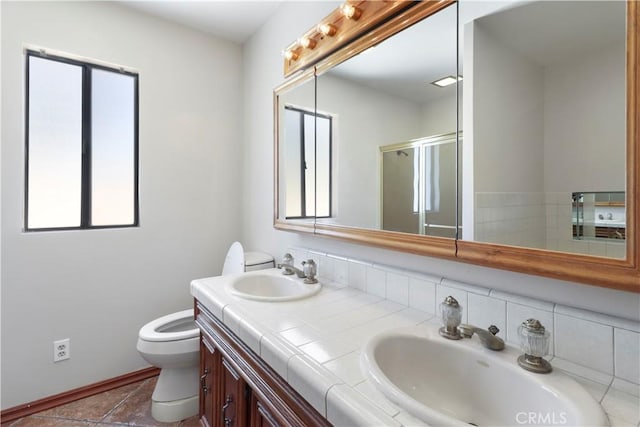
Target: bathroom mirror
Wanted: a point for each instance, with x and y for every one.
(544, 115)
(385, 97)
(500, 158)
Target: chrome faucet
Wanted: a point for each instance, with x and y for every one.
(289, 270)
(308, 272)
(487, 336)
(451, 313)
(287, 266)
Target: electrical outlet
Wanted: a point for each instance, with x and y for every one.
(61, 350)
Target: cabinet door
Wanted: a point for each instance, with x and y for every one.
(235, 393)
(209, 382)
(260, 415)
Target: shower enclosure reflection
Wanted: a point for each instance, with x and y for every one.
(418, 186)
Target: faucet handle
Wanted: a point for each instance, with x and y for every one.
(493, 329)
(534, 342)
(310, 270)
(451, 313)
(287, 259)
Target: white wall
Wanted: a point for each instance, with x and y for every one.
(99, 287)
(585, 122)
(263, 72)
(508, 118)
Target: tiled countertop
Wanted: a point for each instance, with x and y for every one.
(315, 345)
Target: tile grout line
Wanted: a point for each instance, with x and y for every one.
(119, 404)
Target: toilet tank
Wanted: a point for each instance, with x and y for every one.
(258, 261)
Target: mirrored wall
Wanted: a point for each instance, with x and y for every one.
(483, 122)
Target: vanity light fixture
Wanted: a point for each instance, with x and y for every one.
(327, 29)
(308, 42)
(290, 54)
(351, 19)
(351, 12)
(446, 81)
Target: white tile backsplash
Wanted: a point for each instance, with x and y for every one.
(341, 271)
(524, 301)
(376, 282)
(600, 349)
(587, 343)
(464, 287)
(422, 294)
(325, 267)
(398, 288)
(626, 355)
(598, 317)
(358, 275)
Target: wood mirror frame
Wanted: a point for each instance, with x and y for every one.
(622, 274)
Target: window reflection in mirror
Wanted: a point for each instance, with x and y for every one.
(384, 97)
(296, 151)
(544, 115)
(307, 163)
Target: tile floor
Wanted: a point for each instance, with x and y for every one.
(129, 405)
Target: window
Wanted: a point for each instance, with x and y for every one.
(307, 163)
(81, 145)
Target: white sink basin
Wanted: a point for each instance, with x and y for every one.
(270, 286)
(461, 383)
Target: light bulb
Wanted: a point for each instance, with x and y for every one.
(308, 42)
(350, 11)
(290, 55)
(327, 29)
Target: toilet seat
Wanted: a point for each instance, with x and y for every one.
(154, 331)
(172, 343)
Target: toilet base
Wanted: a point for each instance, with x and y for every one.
(176, 410)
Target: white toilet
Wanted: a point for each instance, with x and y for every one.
(172, 343)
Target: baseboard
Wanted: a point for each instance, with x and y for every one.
(40, 405)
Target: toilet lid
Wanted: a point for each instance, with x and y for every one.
(234, 262)
(257, 258)
(172, 327)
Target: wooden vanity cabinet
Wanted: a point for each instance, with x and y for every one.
(210, 362)
(260, 414)
(239, 389)
(235, 396)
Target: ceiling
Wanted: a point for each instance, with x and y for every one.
(544, 31)
(408, 62)
(234, 20)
